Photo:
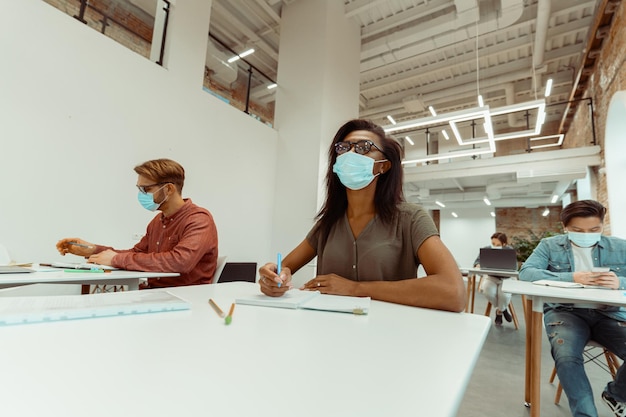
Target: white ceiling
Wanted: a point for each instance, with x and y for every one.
(419, 53)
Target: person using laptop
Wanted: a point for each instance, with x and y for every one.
(491, 285)
(572, 257)
(183, 238)
(367, 239)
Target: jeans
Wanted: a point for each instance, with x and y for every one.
(491, 288)
(568, 330)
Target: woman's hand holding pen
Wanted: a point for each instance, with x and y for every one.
(272, 283)
(75, 246)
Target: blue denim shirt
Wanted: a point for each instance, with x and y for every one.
(553, 259)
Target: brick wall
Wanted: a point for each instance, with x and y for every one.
(609, 76)
(521, 222)
(124, 23)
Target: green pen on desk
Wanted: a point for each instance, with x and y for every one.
(229, 318)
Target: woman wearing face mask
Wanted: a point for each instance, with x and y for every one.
(367, 239)
(576, 256)
(491, 286)
(182, 238)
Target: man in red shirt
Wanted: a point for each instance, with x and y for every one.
(183, 238)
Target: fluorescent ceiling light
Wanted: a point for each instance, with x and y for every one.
(486, 200)
(545, 212)
(445, 134)
(548, 87)
(559, 141)
(273, 85)
(449, 155)
(538, 104)
(241, 55)
(439, 203)
(393, 122)
(493, 214)
(432, 110)
(409, 140)
(454, 214)
(555, 198)
(481, 103)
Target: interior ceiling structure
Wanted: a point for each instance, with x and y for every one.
(442, 53)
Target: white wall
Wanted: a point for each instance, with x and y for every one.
(78, 111)
(465, 235)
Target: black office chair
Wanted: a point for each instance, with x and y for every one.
(238, 271)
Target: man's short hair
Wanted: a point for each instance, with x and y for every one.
(582, 208)
(162, 171)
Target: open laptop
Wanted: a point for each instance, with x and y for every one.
(498, 259)
(14, 269)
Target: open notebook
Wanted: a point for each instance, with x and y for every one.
(81, 265)
(310, 300)
(566, 284)
(36, 309)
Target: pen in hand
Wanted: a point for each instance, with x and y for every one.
(279, 263)
(81, 245)
(216, 308)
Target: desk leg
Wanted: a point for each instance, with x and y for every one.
(535, 383)
(473, 291)
(528, 308)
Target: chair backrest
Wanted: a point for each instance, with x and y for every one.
(221, 261)
(238, 271)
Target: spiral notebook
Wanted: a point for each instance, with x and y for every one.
(310, 300)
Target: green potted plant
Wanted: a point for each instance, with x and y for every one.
(526, 245)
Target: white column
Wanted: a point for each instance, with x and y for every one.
(318, 90)
(615, 162)
(186, 41)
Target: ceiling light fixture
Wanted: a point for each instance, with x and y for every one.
(545, 212)
(548, 88)
(393, 122)
(547, 145)
(271, 86)
(555, 198)
(454, 215)
(439, 203)
(408, 139)
(445, 134)
(432, 111)
(486, 200)
(241, 55)
(481, 103)
(493, 214)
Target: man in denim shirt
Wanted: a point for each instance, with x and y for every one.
(572, 257)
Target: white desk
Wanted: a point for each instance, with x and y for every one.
(396, 361)
(471, 282)
(130, 278)
(536, 296)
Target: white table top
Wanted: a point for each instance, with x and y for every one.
(565, 295)
(50, 276)
(495, 272)
(396, 361)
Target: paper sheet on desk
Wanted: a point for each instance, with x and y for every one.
(35, 309)
(310, 300)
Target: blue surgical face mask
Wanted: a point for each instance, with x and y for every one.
(355, 170)
(584, 240)
(147, 200)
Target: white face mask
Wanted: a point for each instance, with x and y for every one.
(496, 247)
